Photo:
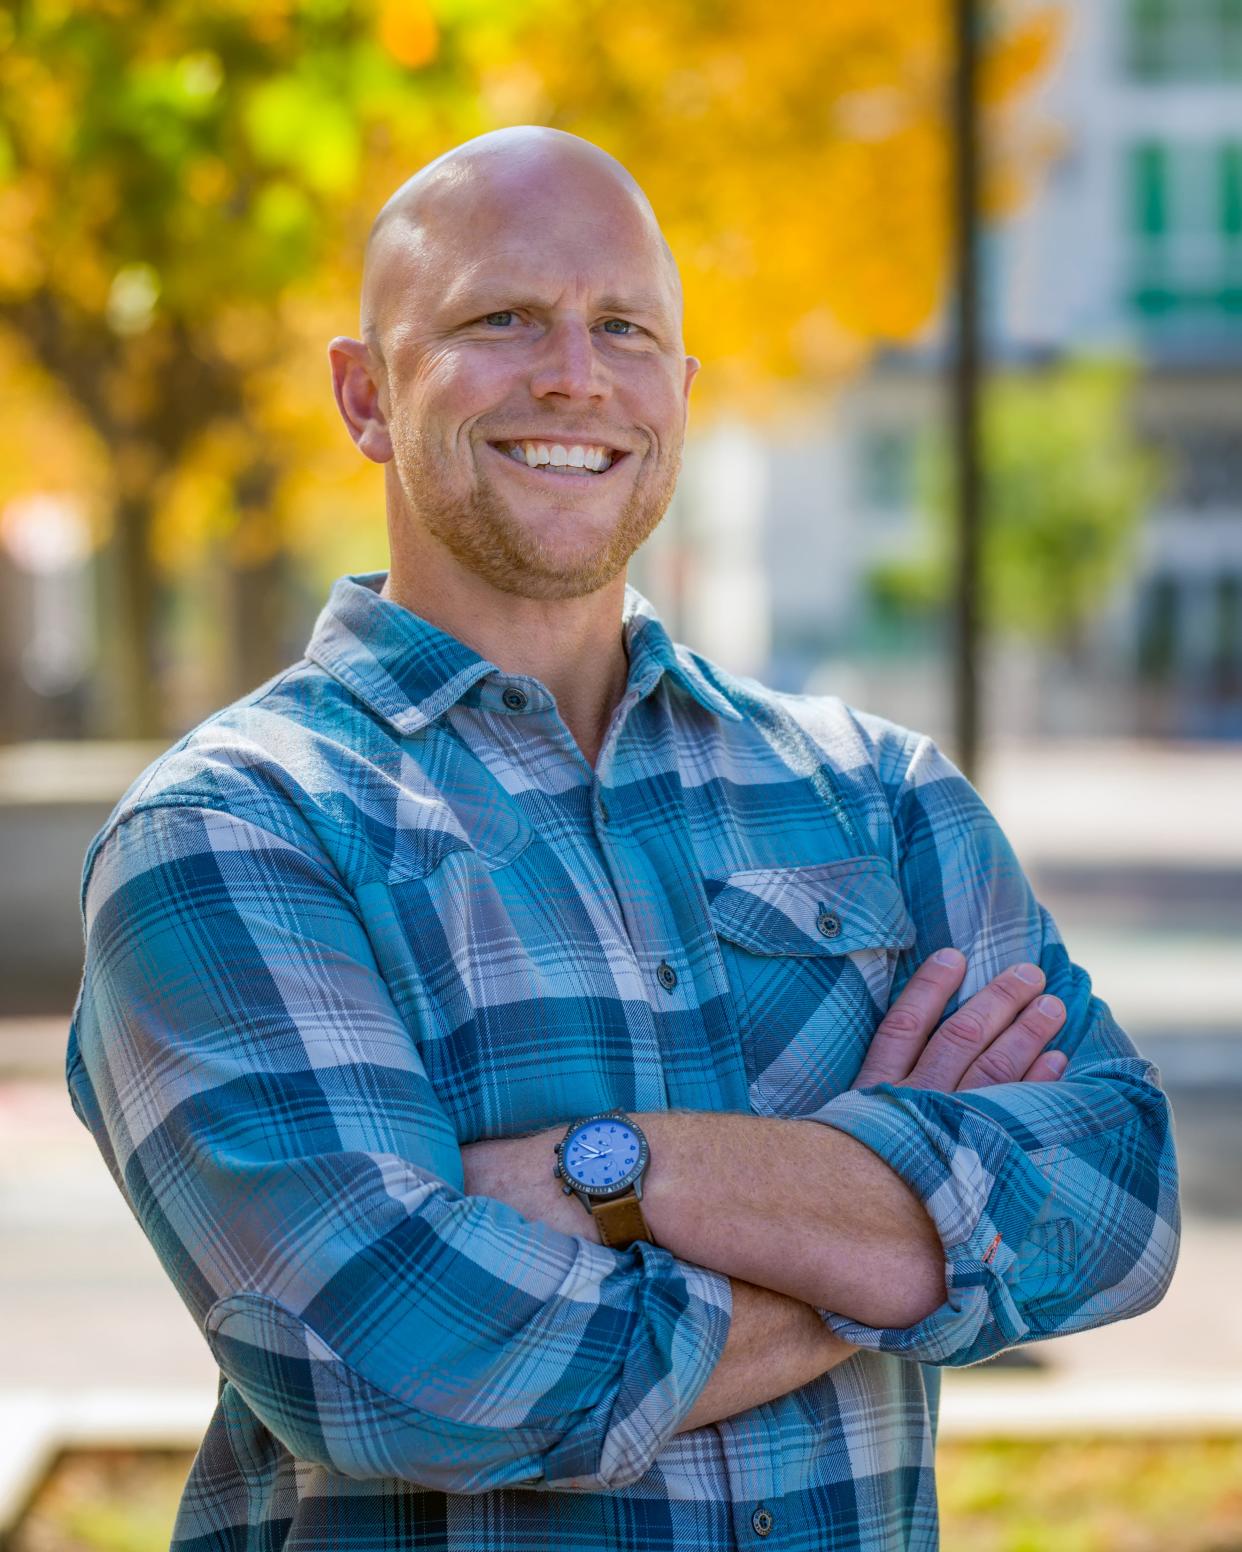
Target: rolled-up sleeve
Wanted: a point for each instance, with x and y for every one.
(262, 1105)
(1056, 1203)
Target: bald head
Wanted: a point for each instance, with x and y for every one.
(467, 198)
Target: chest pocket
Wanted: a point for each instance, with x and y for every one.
(810, 954)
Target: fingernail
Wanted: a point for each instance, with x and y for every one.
(949, 956)
(1031, 974)
(1050, 1007)
(1058, 1061)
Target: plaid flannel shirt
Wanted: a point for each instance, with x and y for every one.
(382, 907)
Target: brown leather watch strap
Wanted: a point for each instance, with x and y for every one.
(621, 1222)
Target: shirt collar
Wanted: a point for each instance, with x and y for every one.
(410, 672)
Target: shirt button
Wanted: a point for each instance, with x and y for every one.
(762, 1521)
(828, 925)
(514, 698)
(666, 975)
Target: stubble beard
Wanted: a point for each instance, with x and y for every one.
(481, 533)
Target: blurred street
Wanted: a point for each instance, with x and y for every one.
(1137, 852)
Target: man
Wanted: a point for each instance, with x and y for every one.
(497, 882)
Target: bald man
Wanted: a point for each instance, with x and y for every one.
(581, 1096)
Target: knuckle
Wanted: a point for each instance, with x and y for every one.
(903, 1022)
(1008, 989)
(996, 1067)
(966, 1028)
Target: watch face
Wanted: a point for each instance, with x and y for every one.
(603, 1155)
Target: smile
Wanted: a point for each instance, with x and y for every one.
(578, 459)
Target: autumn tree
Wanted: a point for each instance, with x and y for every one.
(184, 189)
(171, 176)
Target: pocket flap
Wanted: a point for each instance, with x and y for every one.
(826, 908)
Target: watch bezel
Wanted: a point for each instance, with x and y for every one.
(618, 1187)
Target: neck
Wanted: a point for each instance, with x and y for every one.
(573, 646)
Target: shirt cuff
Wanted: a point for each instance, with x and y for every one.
(987, 1200)
(679, 1334)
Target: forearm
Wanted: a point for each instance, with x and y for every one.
(791, 1206)
(795, 1207)
(775, 1345)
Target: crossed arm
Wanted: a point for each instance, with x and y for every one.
(798, 1215)
(304, 1186)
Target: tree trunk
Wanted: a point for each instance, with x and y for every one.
(140, 708)
(258, 623)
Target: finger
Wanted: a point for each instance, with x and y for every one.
(902, 1032)
(1015, 1049)
(968, 1033)
(1047, 1067)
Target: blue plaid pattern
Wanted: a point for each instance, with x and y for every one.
(381, 907)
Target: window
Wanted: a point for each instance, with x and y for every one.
(1184, 40)
(1185, 220)
(886, 469)
(1159, 627)
(1205, 467)
(1227, 636)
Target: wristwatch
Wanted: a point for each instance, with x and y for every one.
(602, 1160)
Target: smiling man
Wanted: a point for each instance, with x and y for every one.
(581, 1096)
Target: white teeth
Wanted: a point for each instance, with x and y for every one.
(535, 454)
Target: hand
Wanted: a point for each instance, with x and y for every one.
(998, 1036)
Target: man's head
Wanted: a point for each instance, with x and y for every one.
(519, 300)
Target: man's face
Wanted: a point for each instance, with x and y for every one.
(536, 380)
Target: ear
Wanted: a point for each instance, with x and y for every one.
(692, 371)
(356, 386)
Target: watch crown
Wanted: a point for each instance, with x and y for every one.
(567, 1190)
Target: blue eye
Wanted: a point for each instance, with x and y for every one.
(501, 320)
(621, 324)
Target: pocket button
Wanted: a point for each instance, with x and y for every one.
(828, 925)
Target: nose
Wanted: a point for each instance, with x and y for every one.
(569, 366)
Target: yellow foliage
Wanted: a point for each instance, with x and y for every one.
(798, 157)
(1020, 55)
(47, 448)
(408, 30)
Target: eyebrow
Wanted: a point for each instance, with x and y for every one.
(641, 303)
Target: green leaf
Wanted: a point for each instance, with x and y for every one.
(295, 125)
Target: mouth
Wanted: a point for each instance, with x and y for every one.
(573, 460)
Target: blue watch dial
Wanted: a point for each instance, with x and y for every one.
(602, 1155)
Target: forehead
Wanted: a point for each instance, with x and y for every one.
(543, 236)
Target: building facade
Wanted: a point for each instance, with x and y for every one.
(1130, 247)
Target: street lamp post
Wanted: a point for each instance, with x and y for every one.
(965, 367)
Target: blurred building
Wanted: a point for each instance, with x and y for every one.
(1132, 246)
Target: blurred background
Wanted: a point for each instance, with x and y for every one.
(967, 451)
